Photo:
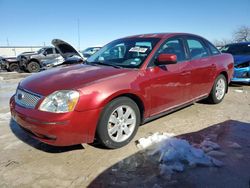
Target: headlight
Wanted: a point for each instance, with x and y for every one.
(60, 101)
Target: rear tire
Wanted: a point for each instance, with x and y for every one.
(219, 90)
(33, 67)
(118, 123)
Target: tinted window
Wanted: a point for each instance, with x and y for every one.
(57, 51)
(196, 49)
(173, 46)
(237, 49)
(213, 49)
(116, 52)
(49, 51)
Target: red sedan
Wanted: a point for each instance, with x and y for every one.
(127, 83)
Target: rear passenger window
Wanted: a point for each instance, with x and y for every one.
(213, 49)
(196, 49)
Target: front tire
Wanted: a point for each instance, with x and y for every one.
(33, 67)
(13, 67)
(219, 90)
(118, 123)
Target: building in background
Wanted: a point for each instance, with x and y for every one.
(13, 51)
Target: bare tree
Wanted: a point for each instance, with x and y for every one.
(222, 42)
(242, 34)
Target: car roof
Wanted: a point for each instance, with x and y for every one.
(160, 35)
(239, 43)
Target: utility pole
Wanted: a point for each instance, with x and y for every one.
(7, 40)
(78, 30)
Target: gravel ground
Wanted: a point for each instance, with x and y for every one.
(25, 162)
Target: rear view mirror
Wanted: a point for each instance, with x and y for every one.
(164, 59)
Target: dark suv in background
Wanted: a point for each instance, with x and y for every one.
(33, 61)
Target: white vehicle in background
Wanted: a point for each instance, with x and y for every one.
(69, 55)
(90, 51)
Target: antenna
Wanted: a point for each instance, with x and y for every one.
(78, 30)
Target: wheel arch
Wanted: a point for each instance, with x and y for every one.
(224, 73)
(136, 99)
(140, 102)
(34, 60)
(13, 63)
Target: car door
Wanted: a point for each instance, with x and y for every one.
(48, 54)
(169, 84)
(203, 67)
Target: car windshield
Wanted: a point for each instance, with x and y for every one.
(90, 51)
(127, 53)
(40, 51)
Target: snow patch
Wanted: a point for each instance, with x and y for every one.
(5, 136)
(5, 116)
(208, 146)
(238, 91)
(174, 154)
(155, 138)
(234, 145)
(214, 153)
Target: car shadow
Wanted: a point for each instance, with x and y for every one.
(23, 136)
(238, 84)
(142, 169)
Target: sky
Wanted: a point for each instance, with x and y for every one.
(31, 22)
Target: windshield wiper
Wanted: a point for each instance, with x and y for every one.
(101, 63)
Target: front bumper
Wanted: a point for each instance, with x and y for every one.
(22, 62)
(241, 75)
(63, 129)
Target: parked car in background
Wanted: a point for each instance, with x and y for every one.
(128, 82)
(90, 51)
(241, 54)
(32, 62)
(69, 55)
(9, 63)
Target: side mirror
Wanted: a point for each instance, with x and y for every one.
(165, 59)
(45, 53)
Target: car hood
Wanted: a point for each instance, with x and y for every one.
(10, 59)
(71, 77)
(28, 54)
(65, 49)
(239, 59)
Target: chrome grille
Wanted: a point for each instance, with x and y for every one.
(26, 99)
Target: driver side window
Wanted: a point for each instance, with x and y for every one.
(173, 46)
(49, 51)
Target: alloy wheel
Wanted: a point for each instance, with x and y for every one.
(121, 124)
(220, 89)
